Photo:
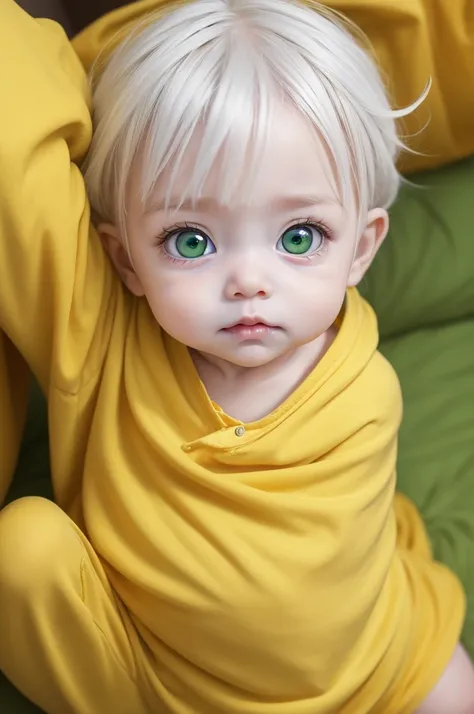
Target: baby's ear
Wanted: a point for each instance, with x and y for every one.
(114, 246)
(369, 242)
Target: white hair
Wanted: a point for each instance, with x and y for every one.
(223, 66)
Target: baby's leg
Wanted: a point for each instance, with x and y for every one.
(65, 640)
(454, 693)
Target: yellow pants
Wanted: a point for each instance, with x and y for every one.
(66, 641)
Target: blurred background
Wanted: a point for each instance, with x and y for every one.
(74, 15)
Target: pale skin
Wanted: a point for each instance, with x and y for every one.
(249, 272)
(248, 275)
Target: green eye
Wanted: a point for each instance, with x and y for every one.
(301, 239)
(190, 244)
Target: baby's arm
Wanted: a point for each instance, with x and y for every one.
(54, 282)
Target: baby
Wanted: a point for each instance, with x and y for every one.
(226, 538)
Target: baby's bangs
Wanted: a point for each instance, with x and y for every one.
(228, 106)
(209, 77)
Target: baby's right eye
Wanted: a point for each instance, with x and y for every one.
(188, 244)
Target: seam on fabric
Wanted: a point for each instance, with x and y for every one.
(101, 632)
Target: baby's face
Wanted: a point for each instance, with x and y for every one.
(250, 281)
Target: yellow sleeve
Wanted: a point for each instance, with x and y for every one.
(412, 40)
(54, 278)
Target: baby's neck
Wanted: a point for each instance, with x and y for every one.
(251, 393)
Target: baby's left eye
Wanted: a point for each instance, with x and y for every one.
(301, 239)
(189, 244)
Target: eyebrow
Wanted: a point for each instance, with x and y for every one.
(200, 205)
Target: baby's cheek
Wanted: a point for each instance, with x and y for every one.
(176, 307)
(323, 301)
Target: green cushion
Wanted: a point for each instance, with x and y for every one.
(32, 477)
(424, 272)
(422, 287)
(436, 456)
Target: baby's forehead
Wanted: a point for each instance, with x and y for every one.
(156, 94)
(291, 164)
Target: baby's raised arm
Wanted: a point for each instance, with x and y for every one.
(54, 278)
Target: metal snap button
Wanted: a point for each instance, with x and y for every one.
(240, 431)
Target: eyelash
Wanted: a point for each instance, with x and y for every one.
(321, 226)
(168, 232)
(326, 232)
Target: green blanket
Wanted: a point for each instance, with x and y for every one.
(422, 287)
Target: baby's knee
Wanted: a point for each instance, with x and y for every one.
(33, 537)
(454, 692)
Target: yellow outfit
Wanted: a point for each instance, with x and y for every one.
(193, 568)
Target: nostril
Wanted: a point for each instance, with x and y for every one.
(260, 293)
(250, 293)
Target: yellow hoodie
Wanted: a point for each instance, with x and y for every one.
(264, 571)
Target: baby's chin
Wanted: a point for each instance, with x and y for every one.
(248, 355)
(260, 354)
